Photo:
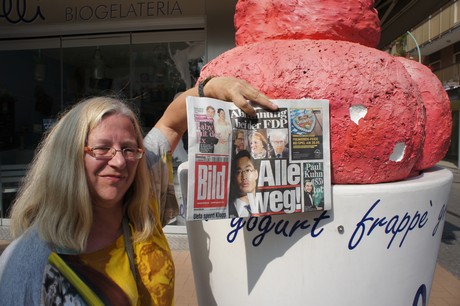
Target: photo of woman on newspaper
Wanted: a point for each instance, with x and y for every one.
(259, 145)
(223, 131)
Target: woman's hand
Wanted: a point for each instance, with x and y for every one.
(239, 92)
(173, 123)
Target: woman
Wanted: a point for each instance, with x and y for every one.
(86, 223)
(259, 145)
(223, 131)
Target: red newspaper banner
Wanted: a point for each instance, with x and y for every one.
(211, 184)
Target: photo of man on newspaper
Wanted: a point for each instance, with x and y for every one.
(313, 186)
(243, 182)
(308, 197)
(208, 138)
(278, 139)
(239, 141)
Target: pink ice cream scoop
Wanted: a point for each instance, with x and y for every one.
(438, 114)
(380, 131)
(352, 20)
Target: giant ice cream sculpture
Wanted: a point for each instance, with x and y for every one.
(325, 49)
(390, 124)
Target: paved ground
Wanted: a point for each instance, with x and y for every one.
(449, 252)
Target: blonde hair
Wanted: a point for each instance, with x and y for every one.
(55, 195)
(260, 136)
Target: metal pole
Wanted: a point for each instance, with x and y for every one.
(61, 71)
(416, 44)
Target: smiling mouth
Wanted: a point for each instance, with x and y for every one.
(113, 177)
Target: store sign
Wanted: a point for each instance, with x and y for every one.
(46, 12)
(19, 12)
(118, 11)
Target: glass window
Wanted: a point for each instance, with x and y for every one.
(161, 71)
(42, 77)
(29, 96)
(95, 65)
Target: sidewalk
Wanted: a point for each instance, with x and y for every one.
(445, 289)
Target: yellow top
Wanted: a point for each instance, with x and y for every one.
(154, 263)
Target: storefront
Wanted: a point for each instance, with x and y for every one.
(54, 53)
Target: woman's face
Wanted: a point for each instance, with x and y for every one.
(108, 180)
(256, 145)
(222, 114)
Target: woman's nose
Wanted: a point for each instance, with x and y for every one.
(118, 160)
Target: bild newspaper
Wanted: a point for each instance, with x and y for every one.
(272, 163)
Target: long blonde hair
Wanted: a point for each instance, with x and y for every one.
(55, 195)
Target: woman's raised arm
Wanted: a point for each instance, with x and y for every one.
(173, 123)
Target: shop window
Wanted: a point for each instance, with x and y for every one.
(95, 65)
(40, 78)
(29, 96)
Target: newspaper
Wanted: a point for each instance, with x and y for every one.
(272, 163)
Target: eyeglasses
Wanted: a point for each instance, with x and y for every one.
(107, 153)
(240, 172)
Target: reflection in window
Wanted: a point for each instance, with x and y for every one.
(29, 94)
(162, 70)
(38, 84)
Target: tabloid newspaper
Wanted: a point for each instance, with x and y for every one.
(272, 163)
